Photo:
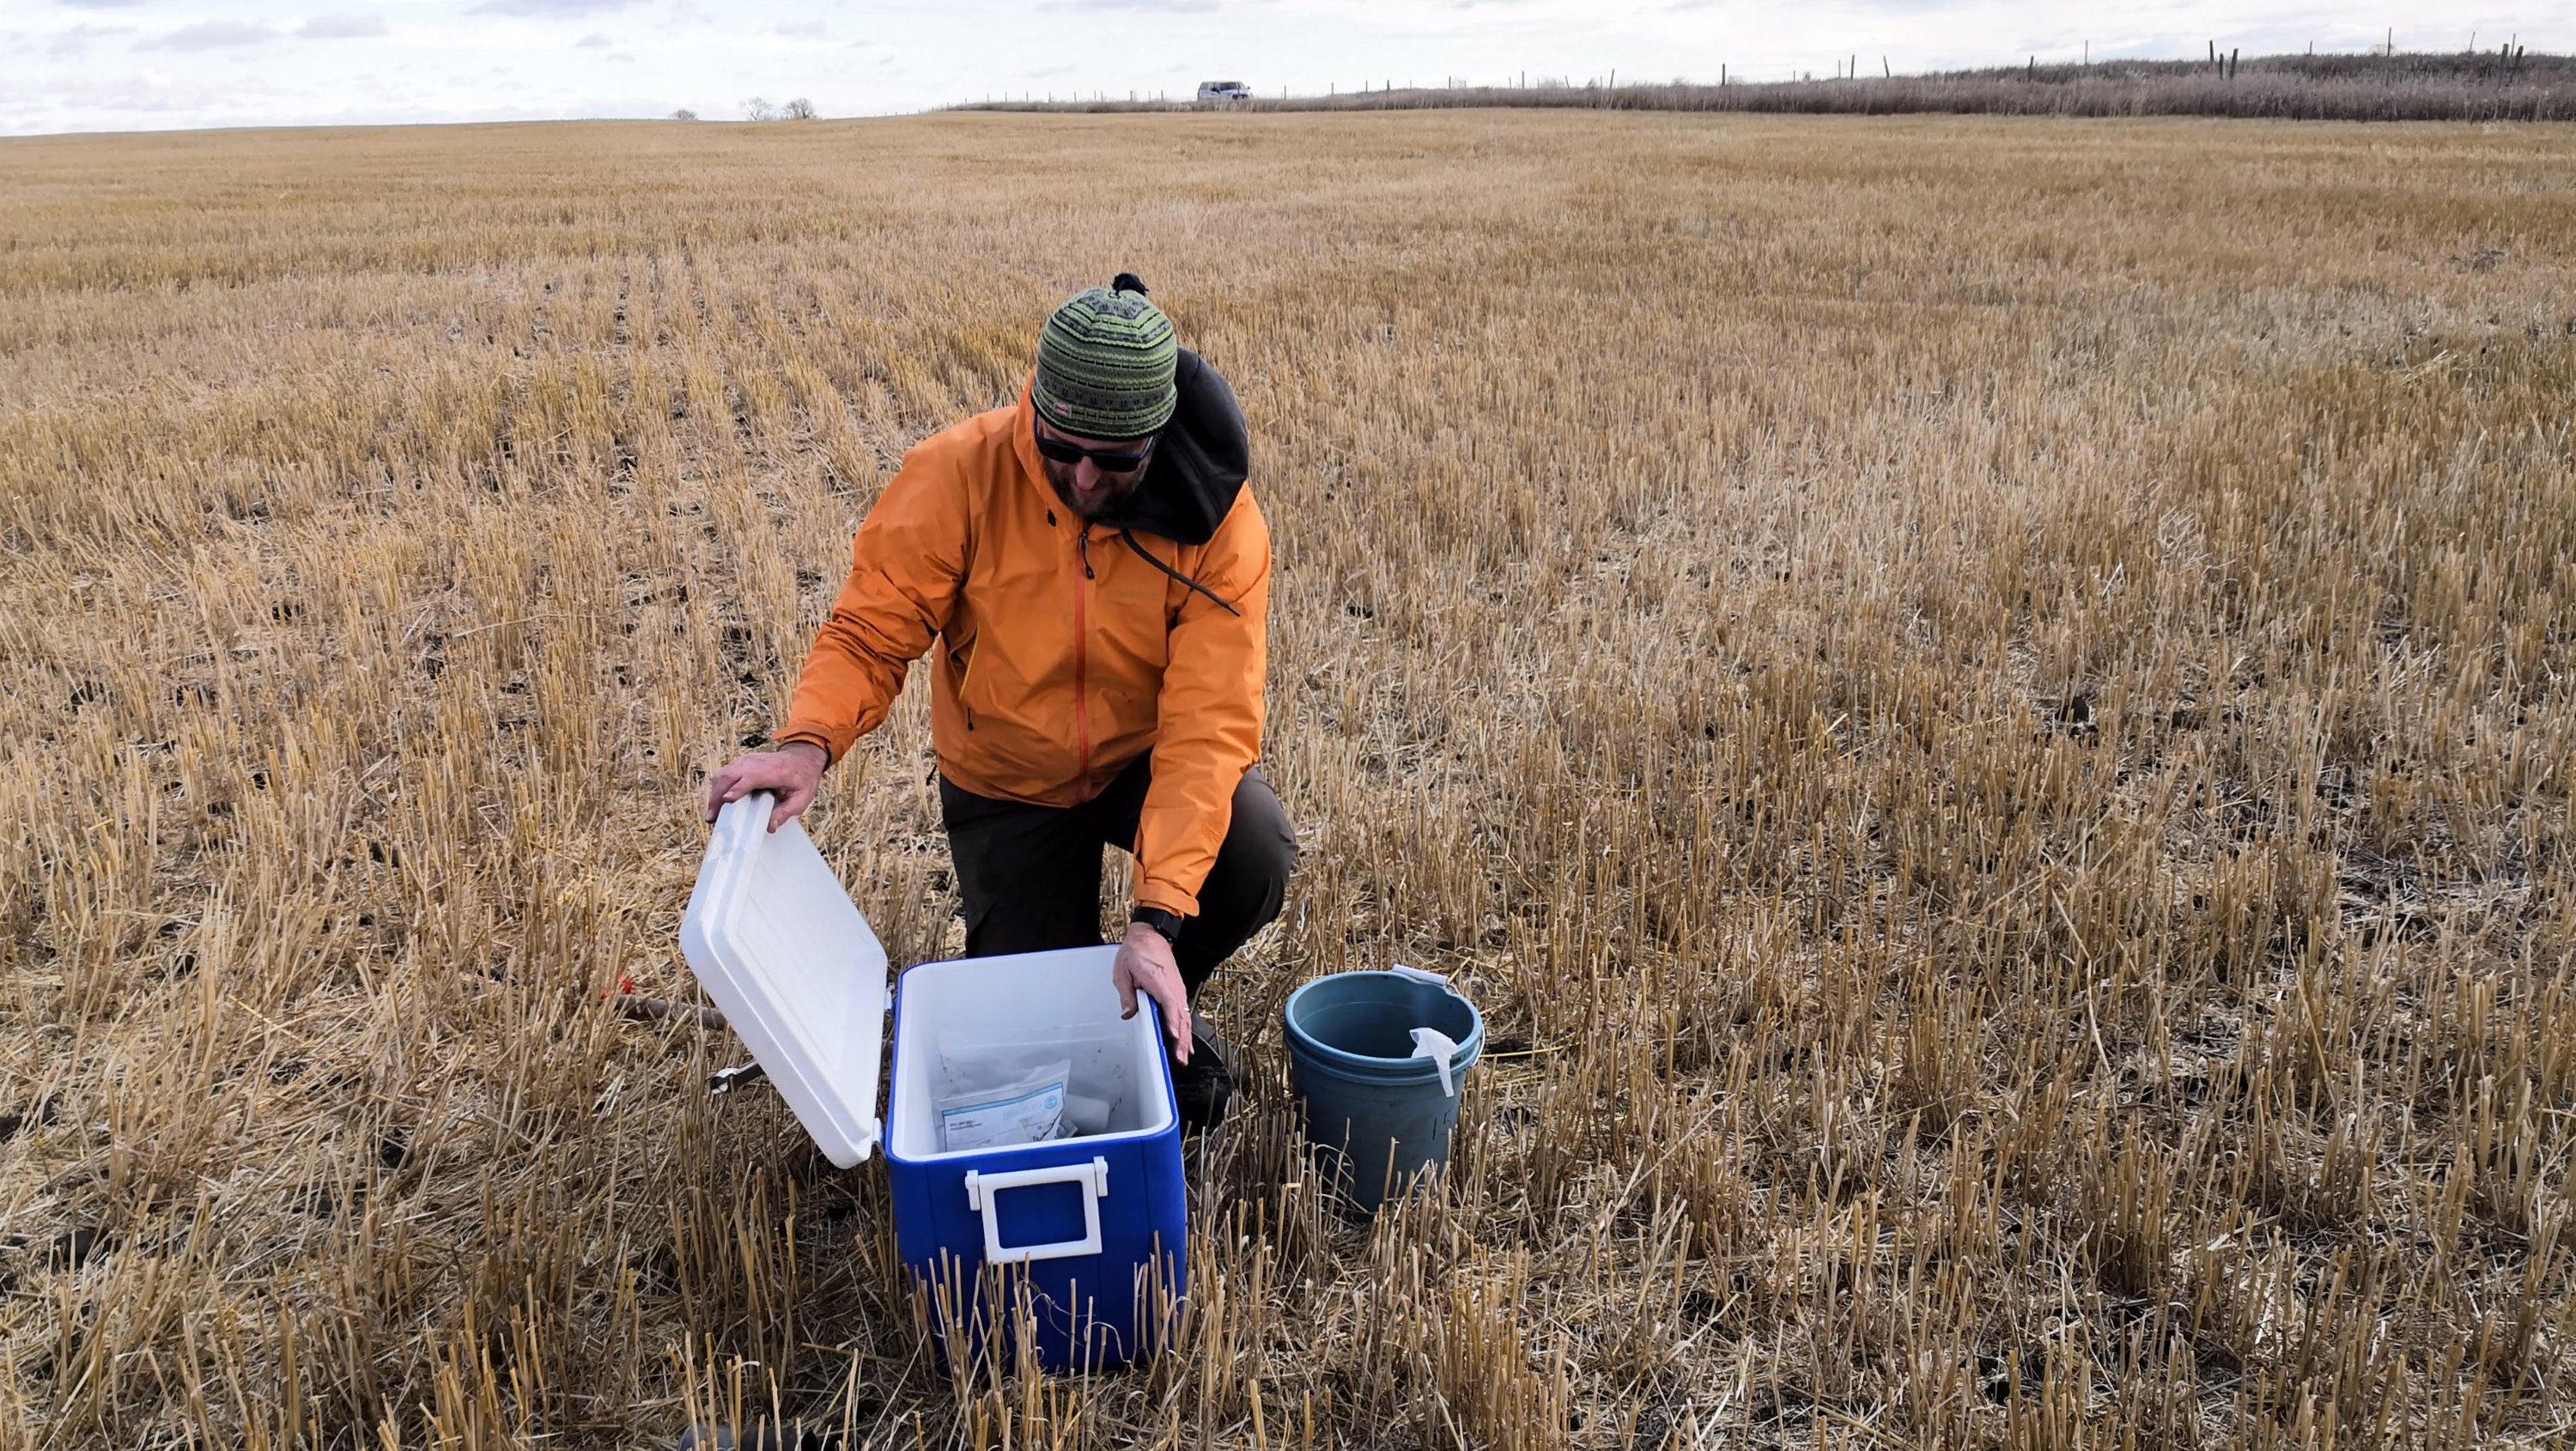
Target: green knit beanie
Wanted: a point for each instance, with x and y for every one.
(1105, 365)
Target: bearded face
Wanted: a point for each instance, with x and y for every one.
(1085, 487)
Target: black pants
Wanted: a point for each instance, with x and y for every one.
(1030, 875)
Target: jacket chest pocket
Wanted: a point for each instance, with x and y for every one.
(1134, 622)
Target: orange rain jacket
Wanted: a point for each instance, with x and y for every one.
(1066, 649)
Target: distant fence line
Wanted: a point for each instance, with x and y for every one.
(2482, 86)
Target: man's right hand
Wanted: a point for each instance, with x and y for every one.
(794, 771)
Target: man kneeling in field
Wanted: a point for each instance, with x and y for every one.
(1097, 579)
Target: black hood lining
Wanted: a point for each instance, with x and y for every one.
(1201, 459)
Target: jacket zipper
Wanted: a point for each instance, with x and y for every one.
(1081, 661)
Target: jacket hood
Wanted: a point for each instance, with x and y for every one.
(1200, 461)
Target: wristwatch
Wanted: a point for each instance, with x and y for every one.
(1161, 919)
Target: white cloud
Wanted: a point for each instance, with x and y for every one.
(210, 35)
(802, 29)
(594, 41)
(76, 40)
(151, 98)
(548, 9)
(341, 27)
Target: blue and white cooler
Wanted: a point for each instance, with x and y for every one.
(1081, 1239)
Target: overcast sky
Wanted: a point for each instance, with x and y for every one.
(93, 65)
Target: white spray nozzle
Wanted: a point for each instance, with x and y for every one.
(1437, 1046)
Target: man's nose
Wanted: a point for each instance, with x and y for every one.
(1086, 475)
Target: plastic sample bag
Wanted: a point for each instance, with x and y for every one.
(1006, 1088)
(1024, 1107)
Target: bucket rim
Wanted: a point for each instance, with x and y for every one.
(1364, 1067)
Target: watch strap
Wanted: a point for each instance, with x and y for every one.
(1161, 919)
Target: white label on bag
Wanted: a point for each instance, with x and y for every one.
(1025, 1119)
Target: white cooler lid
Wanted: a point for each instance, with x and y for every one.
(777, 943)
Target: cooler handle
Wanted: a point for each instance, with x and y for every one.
(982, 1189)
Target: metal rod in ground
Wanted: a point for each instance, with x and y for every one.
(635, 1006)
(726, 1080)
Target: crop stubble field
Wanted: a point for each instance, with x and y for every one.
(1985, 705)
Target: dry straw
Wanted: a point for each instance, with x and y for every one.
(1997, 694)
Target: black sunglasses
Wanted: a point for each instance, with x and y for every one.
(1106, 460)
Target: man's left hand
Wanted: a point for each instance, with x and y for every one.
(1145, 965)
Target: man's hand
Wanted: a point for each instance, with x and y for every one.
(794, 771)
(1145, 965)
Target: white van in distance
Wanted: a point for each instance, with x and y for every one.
(1224, 91)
